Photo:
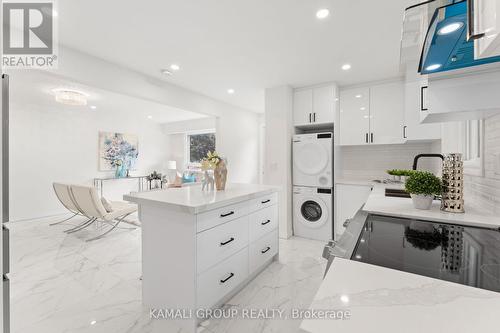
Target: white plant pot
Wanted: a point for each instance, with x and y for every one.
(422, 201)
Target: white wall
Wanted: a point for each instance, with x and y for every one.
(190, 125)
(48, 145)
(237, 128)
(278, 151)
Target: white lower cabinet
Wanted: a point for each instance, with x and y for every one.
(232, 243)
(263, 222)
(349, 199)
(262, 250)
(220, 280)
(219, 243)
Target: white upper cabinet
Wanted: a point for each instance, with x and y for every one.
(416, 109)
(372, 115)
(354, 116)
(470, 95)
(324, 104)
(302, 107)
(486, 21)
(314, 106)
(387, 113)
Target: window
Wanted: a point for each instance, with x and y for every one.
(198, 145)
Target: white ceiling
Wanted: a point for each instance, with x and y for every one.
(35, 88)
(247, 45)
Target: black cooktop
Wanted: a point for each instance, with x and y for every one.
(465, 255)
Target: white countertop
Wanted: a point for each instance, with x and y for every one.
(193, 200)
(384, 300)
(378, 203)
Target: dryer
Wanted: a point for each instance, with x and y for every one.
(313, 160)
(313, 213)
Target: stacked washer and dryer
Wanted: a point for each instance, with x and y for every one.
(313, 185)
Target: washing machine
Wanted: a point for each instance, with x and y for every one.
(313, 212)
(313, 160)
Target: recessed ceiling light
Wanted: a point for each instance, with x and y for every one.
(344, 299)
(150, 117)
(359, 96)
(449, 28)
(362, 108)
(175, 67)
(166, 72)
(322, 13)
(230, 91)
(93, 322)
(70, 96)
(346, 67)
(358, 256)
(93, 107)
(432, 67)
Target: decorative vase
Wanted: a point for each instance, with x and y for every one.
(118, 171)
(453, 184)
(421, 201)
(220, 175)
(124, 171)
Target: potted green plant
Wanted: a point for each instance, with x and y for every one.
(423, 186)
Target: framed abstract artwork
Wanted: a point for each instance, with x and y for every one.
(117, 149)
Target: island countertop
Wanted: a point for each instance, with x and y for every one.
(384, 300)
(193, 200)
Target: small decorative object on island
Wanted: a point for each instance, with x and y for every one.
(208, 181)
(423, 186)
(453, 184)
(215, 162)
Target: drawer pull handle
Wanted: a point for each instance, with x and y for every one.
(265, 250)
(227, 242)
(226, 279)
(227, 214)
(265, 201)
(266, 222)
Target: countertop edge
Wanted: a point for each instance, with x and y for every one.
(201, 208)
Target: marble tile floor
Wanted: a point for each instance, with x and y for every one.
(60, 283)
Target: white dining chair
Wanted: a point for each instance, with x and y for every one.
(89, 202)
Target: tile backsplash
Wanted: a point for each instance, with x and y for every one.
(484, 192)
(372, 161)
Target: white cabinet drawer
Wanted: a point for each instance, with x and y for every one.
(219, 243)
(263, 202)
(262, 222)
(221, 215)
(262, 250)
(220, 280)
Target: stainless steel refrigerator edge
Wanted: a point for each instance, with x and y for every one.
(4, 206)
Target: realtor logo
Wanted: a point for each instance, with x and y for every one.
(28, 35)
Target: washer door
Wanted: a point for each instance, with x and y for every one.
(310, 158)
(311, 212)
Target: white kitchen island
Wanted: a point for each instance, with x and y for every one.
(201, 247)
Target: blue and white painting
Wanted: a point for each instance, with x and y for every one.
(117, 149)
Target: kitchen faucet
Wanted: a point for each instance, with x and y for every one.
(415, 160)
